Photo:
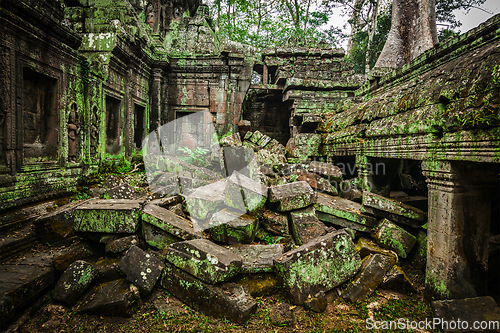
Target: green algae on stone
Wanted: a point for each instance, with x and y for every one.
(74, 282)
(291, 196)
(366, 247)
(393, 237)
(233, 228)
(305, 226)
(344, 209)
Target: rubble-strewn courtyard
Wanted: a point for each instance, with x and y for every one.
(156, 175)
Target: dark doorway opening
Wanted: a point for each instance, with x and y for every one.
(138, 125)
(113, 125)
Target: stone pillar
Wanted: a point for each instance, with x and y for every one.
(364, 172)
(155, 111)
(458, 226)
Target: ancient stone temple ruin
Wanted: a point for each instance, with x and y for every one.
(406, 155)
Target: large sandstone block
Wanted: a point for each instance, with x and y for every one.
(109, 216)
(142, 269)
(305, 226)
(319, 265)
(316, 181)
(205, 260)
(232, 228)
(242, 189)
(291, 196)
(73, 283)
(226, 300)
(206, 200)
(393, 237)
(327, 170)
(257, 258)
(169, 222)
(275, 223)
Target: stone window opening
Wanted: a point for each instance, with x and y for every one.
(40, 120)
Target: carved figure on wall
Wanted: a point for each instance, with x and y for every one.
(94, 132)
(72, 134)
(150, 16)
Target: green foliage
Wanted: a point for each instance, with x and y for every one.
(445, 8)
(444, 34)
(197, 156)
(85, 70)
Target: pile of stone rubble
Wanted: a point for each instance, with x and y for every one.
(216, 243)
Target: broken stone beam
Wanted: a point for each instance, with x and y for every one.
(141, 268)
(275, 223)
(205, 260)
(169, 222)
(257, 258)
(370, 275)
(366, 247)
(321, 264)
(327, 170)
(233, 228)
(109, 216)
(226, 300)
(291, 196)
(393, 209)
(206, 200)
(254, 193)
(343, 212)
(305, 226)
(393, 237)
(316, 181)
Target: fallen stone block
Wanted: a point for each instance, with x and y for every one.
(169, 222)
(58, 224)
(317, 303)
(291, 196)
(108, 269)
(141, 268)
(263, 141)
(269, 238)
(243, 160)
(393, 237)
(351, 190)
(121, 244)
(483, 310)
(396, 280)
(275, 223)
(166, 202)
(245, 194)
(370, 275)
(305, 226)
(232, 228)
(319, 265)
(316, 181)
(205, 260)
(74, 282)
(226, 300)
(257, 258)
(108, 216)
(174, 164)
(258, 285)
(244, 127)
(418, 255)
(157, 237)
(256, 136)
(177, 210)
(113, 298)
(206, 200)
(327, 170)
(366, 247)
(399, 211)
(231, 140)
(84, 250)
(304, 145)
(122, 191)
(267, 157)
(343, 212)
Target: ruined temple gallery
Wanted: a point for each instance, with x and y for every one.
(322, 176)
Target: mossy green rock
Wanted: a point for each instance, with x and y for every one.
(413, 216)
(74, 282)
(366, 247)
(257, 258)
(393, 237)
(205, 260)
(169, 222)
(245, 194)
(291, 196)
(206, 200)
(322, 264)
(342, 210)
(305, 226)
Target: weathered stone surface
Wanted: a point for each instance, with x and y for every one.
(74, 282)
(305, 226)
(243, 160)
(258, 285)
(121, 244)
(177, 210)
(264, 141)
(269, 238)
(304, 145)
(257, 258)
(321, 264)
(157, 237)
(168, 201)
(291, 196)
(316, 181)
(231, 140)
(109, 216)
(169, 222)
(412, 216)
(396, 280)
(418, 255)
(392, 237)
(206, 200)
(232, 228)
(268, 157)
(366, 247)
(370, 275)
(256, 136)
(470, 310)
(244, 127)
(317, 303)
(205, 260)
(108, 269)
(168, 307)
(173, 164)
(275, 223)
(342, 211)
(142, 269)
(113, 298)
(282, 315)
(122, 191)
(327, 170)
(253, 193)
(226, 300)
(82, 251)
(350, 189)
(58, 224)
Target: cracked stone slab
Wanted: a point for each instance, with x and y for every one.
(206, 200)
(170, 222)
(393, 237)
(319, 265)
(242, 189)
(291, 196)
(257, 258)
(370, 275)
(233, 228)
(399, 211)
(305, 226)
(342, 209)
(108, 216)
(141, 268)
(205, 260)
(157, 237)
(74, 282)
(226, 300)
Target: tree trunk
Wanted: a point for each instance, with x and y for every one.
(371, 33)
(413, 31)
(356, 23)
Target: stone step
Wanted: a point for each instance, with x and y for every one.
(15, 243)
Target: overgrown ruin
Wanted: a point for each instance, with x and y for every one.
(410, 152)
